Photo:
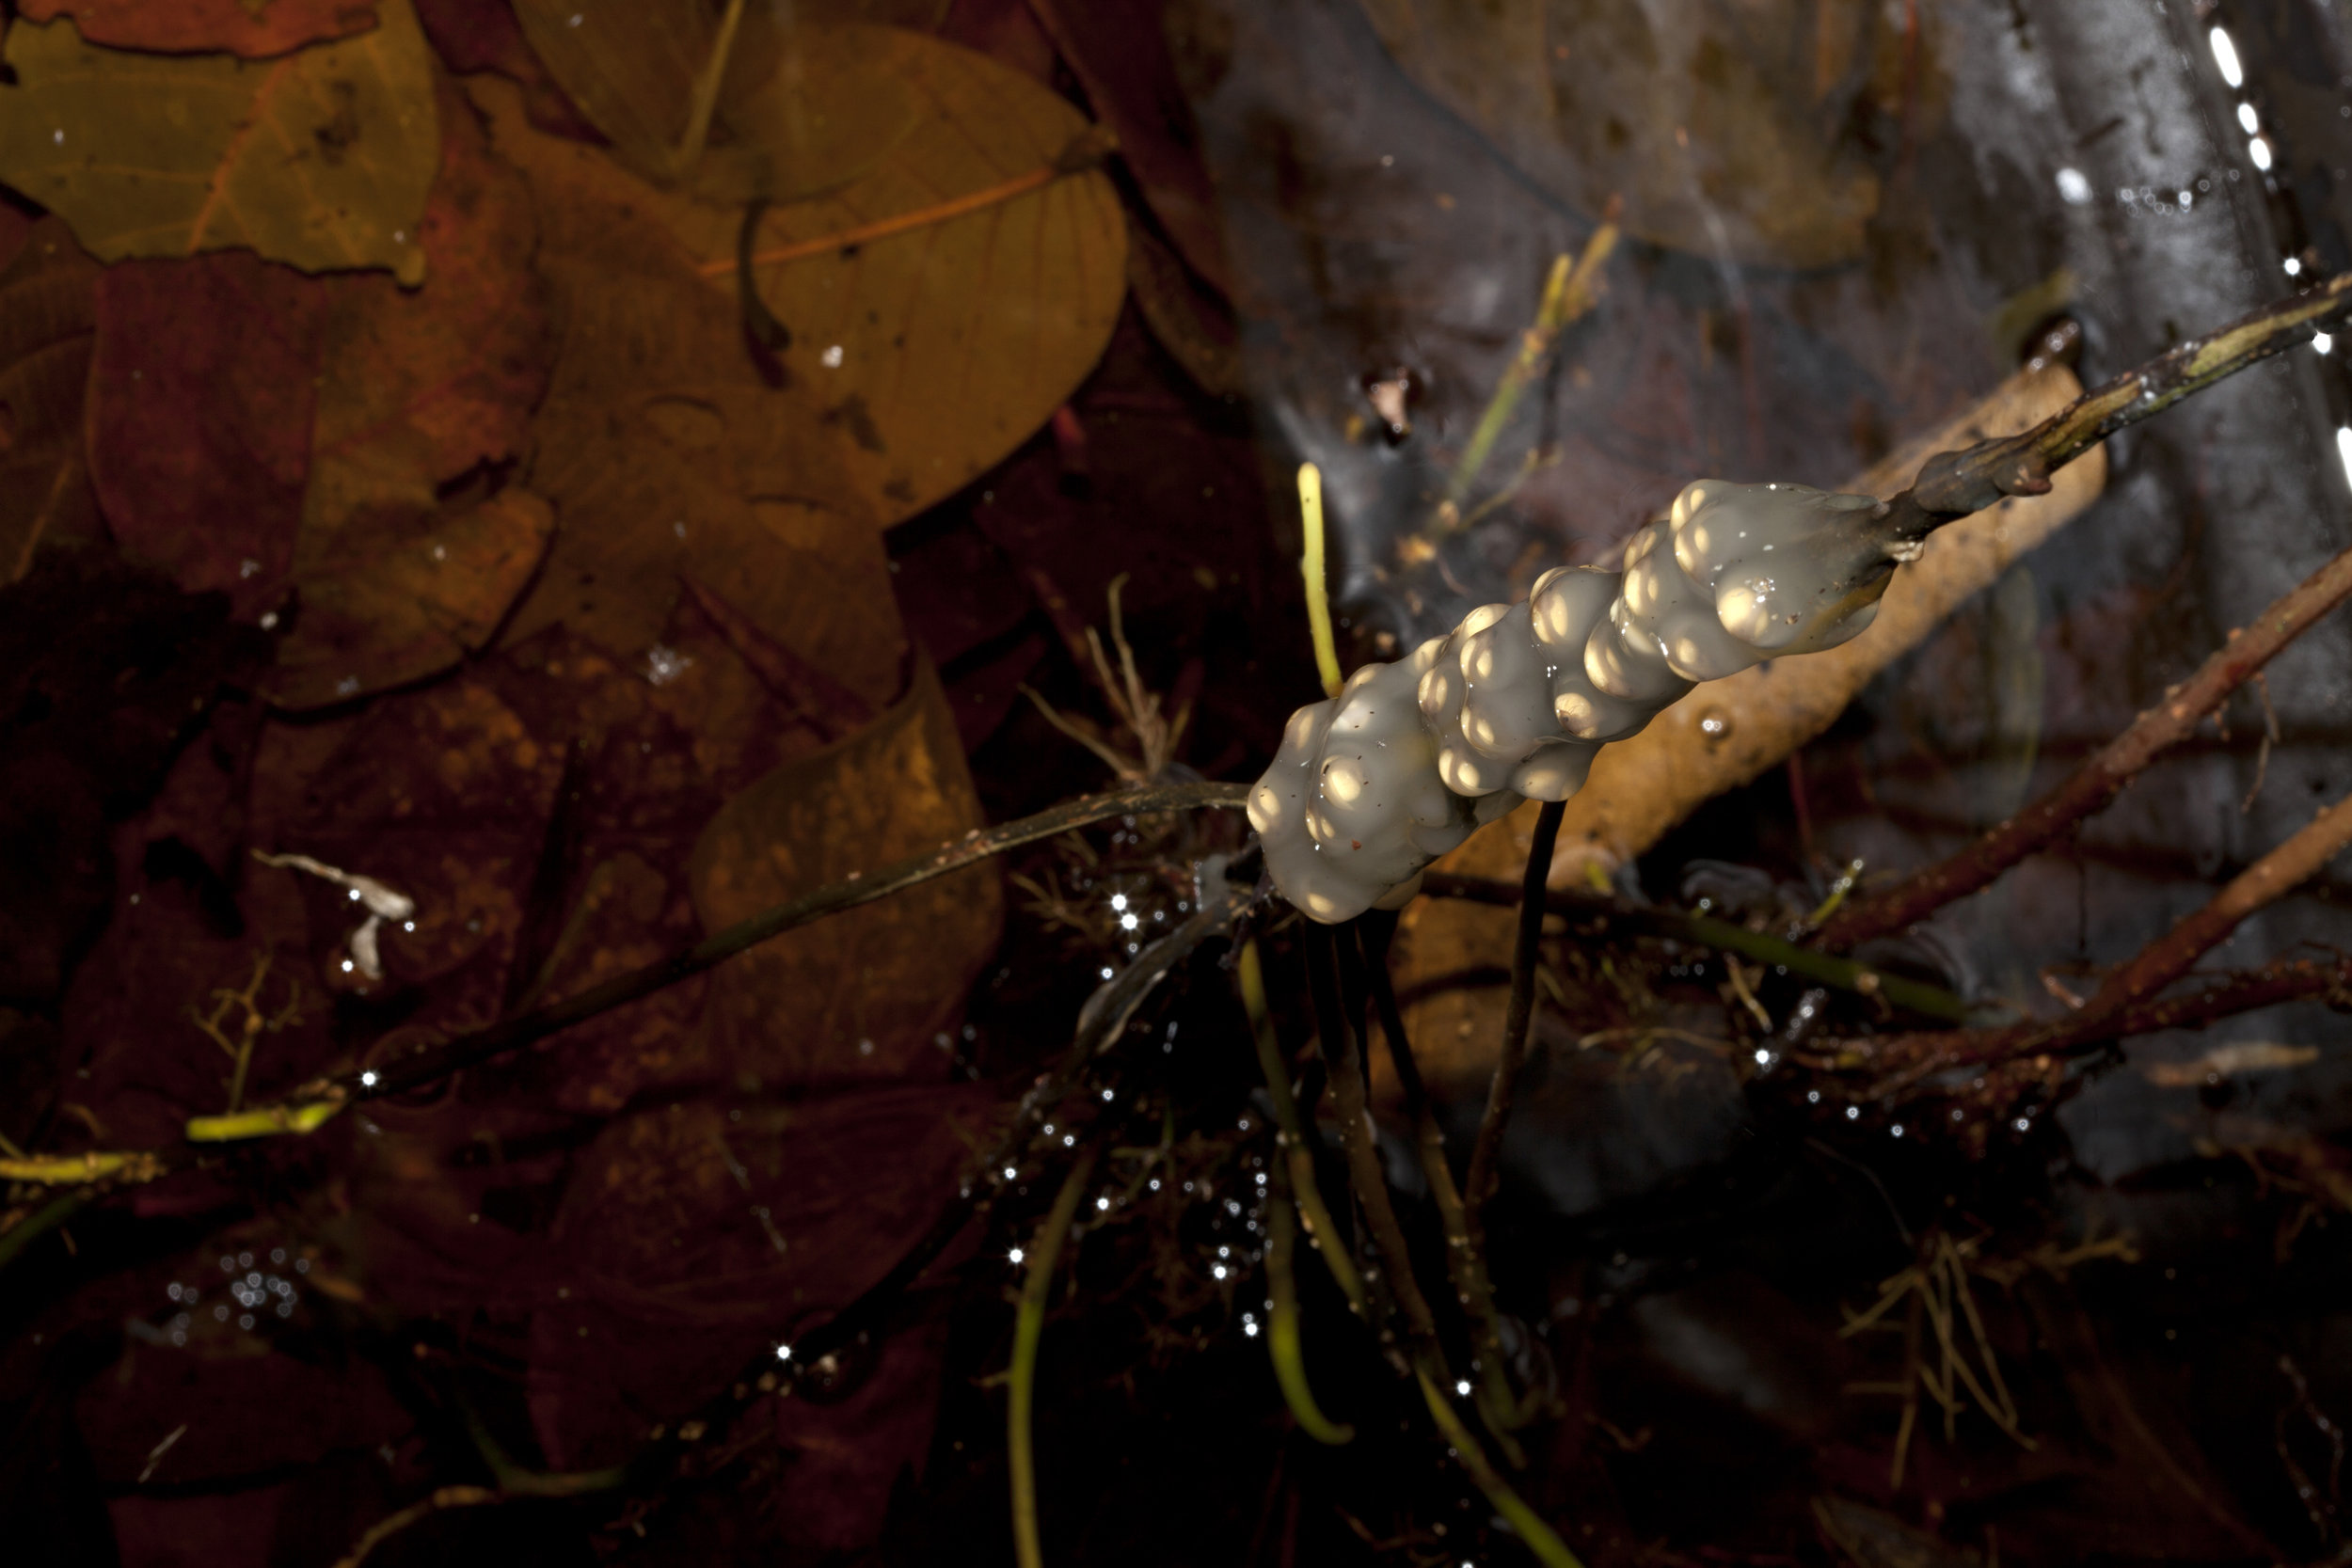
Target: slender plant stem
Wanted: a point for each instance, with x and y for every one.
(39, 1224)
(1533, 1528)
(1465, 1264)
(1028, 1325)
(1479, 1184)
(2099, 781)
(1292, 1133)
(1568, 293)
(1282, 1339)
(1915, 996)
(1363, 1156)
(426, 1067)
(392, 1524)
(1316, 576)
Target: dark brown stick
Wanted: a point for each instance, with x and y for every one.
(2100, 780)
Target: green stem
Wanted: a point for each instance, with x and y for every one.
(1568, 293)
(1540, 1537)
(1044, 1249)
(1282, 1342)
(39, 1224)
(1297, 1153)
(1311, 569)
(1485, 1154)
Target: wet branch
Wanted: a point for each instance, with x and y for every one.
(1955, 484)
(2100, 780)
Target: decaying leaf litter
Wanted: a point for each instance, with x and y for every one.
(639, 500)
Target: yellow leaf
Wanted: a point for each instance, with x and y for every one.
(943, 304)
(321, 158)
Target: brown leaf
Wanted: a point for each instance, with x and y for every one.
(443, 377)
(867, 994)
(696, 1236)
(394, 600)
(48, 312)
(202, 386)
(321, 158)
(202, 26)
(663, 452)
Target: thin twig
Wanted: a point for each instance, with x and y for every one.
(1028, 1325)
(1915, 996)
(2100, 780)
(1292, 1133)
(1479, 1183)
(2126, 1002)
(1568, 295)
(428, 1065)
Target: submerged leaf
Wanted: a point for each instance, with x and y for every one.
(321, 158)
(256, 31)
(1720, 137)
(865, 994)
(942, 305)
(48, 313)
(394, 602)
(662, 451)
(201, 388)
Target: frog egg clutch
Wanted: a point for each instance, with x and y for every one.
(1410, 757)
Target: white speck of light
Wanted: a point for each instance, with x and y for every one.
(2073, 187)
(2294, 267)
(1119, 900)
(1219, 1271)
(831, 358)
(367, 1080)
(2245, 118)
(1251, 1329)
(1896, 1129)
(577, 19)
(664, 665)
(1009, 1173)
(2321, 343)
(784, 1352)
(1128, 922)
(1462, 1387)
(2259, 150)
(1763, 1058)
(1853, 1113)
(2225, 56)
(1107, 971)
(346, 966)
(1016, 1255)
(2021, 1124)
(58, 138)
(1101, 1204)
(2343, 450)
